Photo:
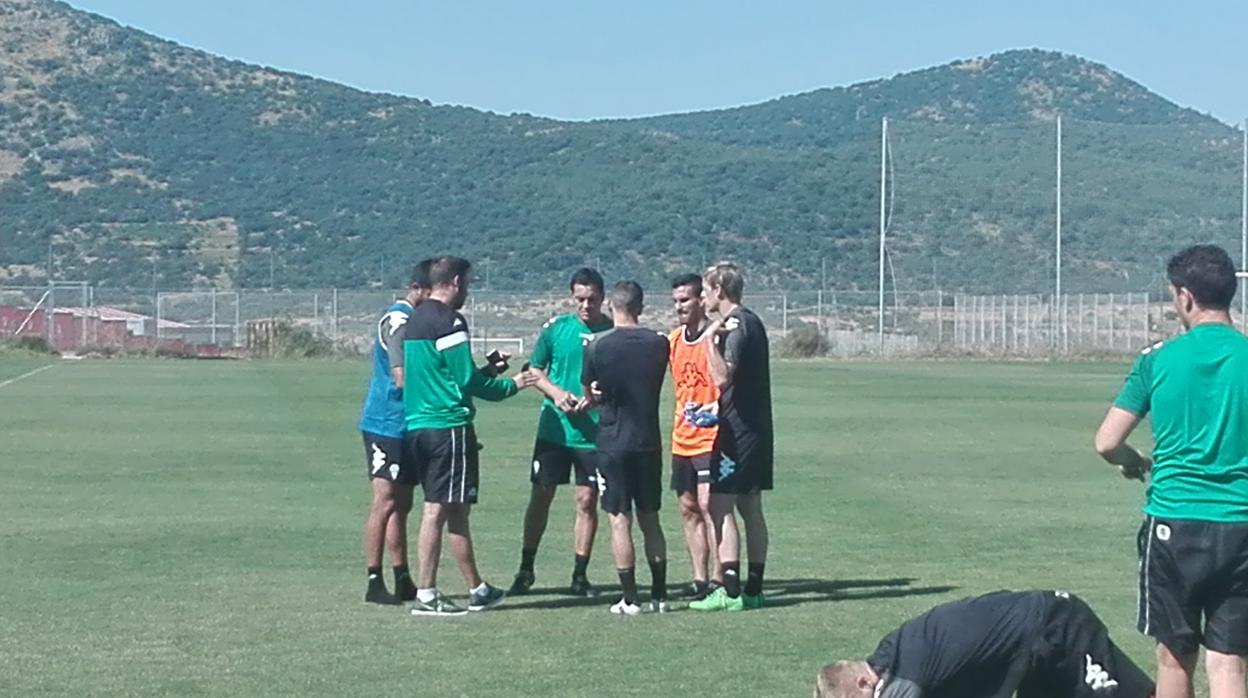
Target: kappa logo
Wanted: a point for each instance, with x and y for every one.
(459, 322)
(1096, 677)
(472, 492)
(732, 323)
(1163, 532)
(379, 458)
(727, 467)
(691, 376)
(602, 484)
(394, 471)
(396, 319)
(1062, 594)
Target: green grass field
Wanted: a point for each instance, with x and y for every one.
(193, 528)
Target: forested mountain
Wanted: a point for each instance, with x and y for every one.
(121, 153)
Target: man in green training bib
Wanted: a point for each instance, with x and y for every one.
(1193, 545)
(565, 432)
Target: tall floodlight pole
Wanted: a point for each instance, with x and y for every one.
(1057, 257)
(883, 213)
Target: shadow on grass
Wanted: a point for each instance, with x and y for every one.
(792, 592)
(780, 593)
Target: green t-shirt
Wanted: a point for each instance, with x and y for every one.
(560, 351)
(1196, 387)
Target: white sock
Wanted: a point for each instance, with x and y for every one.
(427, 595)
(479, 589)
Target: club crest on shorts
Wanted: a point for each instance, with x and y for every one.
(394, 471)
(537, 466)
(1163, 532)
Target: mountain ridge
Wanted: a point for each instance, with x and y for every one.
(121, 151)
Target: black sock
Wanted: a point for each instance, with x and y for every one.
(701, 588)
(375, 572)
(401, 575)
(732, 578)
(658, 580)
(527, 556)
(628, 582)
(580, 566)
(754, 579)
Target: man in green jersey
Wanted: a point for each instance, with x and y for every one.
(439, 383)
(565, 434)
(1193, 545)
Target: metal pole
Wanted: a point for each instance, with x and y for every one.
(883, 214)
(1079, 332)
(1111, 322)
(784, 313)
(1057, 258)
(940, 318)
(238, 302)
(213, 333)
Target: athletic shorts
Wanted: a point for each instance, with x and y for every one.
(448, 463)
(1194, 571)
(553, 464)
(741, 463)
(690, 471)
(1075, 657)
(628, 478)
(383, 458)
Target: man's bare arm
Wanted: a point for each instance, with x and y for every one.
(1111, 444)
(721, 370)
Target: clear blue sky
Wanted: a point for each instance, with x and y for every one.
(580, 59)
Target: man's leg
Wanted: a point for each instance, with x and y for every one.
(380, 510)
(535, 518)
(728, 540)
(1174, 673)
(712, 548)
(461, 542)
(694, 522)
(756, 539)
(396, 541)
(656, 556)
(429, 546)
(584, 531)
(1226, 675)
(624, 554)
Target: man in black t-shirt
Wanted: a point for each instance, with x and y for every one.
(623, 376)
(1033, 644)
(741, 463)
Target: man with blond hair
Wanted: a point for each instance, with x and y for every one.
(1031, 644)
(742, 460)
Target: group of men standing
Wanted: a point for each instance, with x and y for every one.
(599, 428)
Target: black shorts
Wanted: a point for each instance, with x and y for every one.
(690, 471)
(553, 464)
(1194, 571)
(383, 458)
(447, 461)
(741, 462)
(630, 478)
(1074, 656)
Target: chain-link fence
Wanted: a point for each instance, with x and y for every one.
(79, 317)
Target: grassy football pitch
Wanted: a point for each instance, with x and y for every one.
(193, 528)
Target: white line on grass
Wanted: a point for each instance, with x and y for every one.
(27, 374)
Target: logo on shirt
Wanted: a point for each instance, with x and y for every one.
(691, 376)
(732, 323)
(1096, 677)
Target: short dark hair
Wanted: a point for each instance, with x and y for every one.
(443, 270)
(588, 277)
(628, 295)
(420, 275)
(688, 280)
(1207, 272)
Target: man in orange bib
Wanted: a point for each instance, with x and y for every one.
(693, 434)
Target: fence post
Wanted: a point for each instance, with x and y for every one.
(213, 332)
(1111, 322)
(940, 318)
(316, 314)
(335, 316)
(158, 318)
(784, 313)
(819, 310)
